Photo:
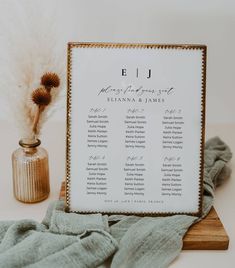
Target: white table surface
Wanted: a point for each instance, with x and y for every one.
(53, 140)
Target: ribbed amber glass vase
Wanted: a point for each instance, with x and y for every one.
(30, 172)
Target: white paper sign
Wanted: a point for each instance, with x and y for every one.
(135, 128)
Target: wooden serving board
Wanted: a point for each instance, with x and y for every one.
(208, 234)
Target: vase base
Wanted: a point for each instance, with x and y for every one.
(33, 201)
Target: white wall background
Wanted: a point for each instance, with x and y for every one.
(210, 22)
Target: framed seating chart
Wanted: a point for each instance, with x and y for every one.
(135, 128)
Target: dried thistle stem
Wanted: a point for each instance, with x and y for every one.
(37, 117)
(42, 96)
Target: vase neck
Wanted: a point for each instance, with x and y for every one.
(29, 145)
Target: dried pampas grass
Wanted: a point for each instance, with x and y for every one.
(33, 57)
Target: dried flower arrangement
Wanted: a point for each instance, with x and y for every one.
(42, 96)
(32, 67)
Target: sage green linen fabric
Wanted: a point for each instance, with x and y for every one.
(84, 241)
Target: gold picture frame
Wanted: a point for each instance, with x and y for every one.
(179, 47)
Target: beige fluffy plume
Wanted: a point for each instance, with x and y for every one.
(31, 49)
